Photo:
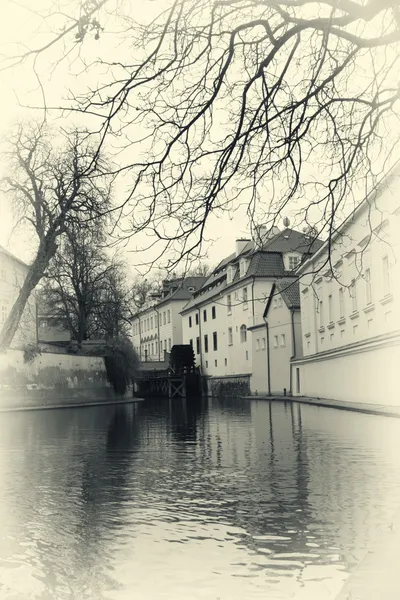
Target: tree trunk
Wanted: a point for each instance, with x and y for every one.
(45, 253)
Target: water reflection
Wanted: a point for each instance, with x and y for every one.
(204, 499)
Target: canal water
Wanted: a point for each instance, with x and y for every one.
(190, 500)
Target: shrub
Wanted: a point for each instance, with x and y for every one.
(121, 362)
(31, 351)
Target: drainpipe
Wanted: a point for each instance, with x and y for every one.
(268, 361)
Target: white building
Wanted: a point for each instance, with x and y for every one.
(282, 333)
(158, 325)
(220, 317)
(350, 306)
(12, 275)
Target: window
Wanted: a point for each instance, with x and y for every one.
(341, 303)
(262, 343)
(369, 323)
(276, 343)
(283, 340)
(190, 321)
(206, 343)
(197, 318)
(230, 274)
(245, 298)
(331, 337)
(230, 336)
(229, 304)
(258, 344)
(165, 344)
(206, 364)
(216, 363)
(321, 313)
(368, 288)
(386, 275)
(191, 343)
(226, 362)
(204, 315)
(164, 318)
(243, 333)
(247, 355)
(213, 312)
(293, 262)
(242, 267)
(169, 316)
(151, 323)
(169, 344)
(215, 341)
(355, 327)
(330, 308)
(353, 294)
(342, 333)
(197, 345)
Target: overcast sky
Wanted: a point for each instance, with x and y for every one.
(22, 24)
(19, 86)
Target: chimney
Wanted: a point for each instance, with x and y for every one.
(240, 245)
(262, 234)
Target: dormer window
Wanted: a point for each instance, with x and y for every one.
(293, 261)
(243, 266)
(230, 273)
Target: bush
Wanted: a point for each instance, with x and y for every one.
(31, 351)
(121, 362)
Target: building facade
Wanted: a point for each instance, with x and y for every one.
(278, 340)
(220, 319)
(350, 306)
(158, 325)
(12, 275)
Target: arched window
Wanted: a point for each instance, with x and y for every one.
(243, 333)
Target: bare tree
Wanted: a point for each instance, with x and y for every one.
(275, 101)
(53, 185)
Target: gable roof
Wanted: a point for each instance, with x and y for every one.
(290, 292)
(263, 262)
(289, 289)
(290, 240)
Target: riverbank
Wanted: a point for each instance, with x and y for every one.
(373, 409)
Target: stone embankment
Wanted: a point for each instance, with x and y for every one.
(52, 380)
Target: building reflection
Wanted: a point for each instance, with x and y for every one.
(288, 479)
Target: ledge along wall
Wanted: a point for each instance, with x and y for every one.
(51, 375)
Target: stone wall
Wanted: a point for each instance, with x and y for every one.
(232, 386)
(49, 371)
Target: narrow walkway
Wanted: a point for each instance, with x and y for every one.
(373, 409)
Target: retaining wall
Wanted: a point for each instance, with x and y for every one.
(51, 370)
